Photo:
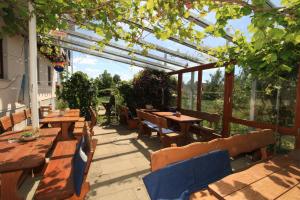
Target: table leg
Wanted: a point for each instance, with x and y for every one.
(184, 128)
(9, 185)
(65, 130)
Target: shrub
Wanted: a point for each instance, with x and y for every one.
(79, 92)
(153, 87)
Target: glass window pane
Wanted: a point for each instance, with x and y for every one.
(267, 100)
(173, 100)
(189, 91)
(212, 97)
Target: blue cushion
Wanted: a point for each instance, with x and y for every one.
(80, 161)
(150, 124)
(166, 131)
(179, 180)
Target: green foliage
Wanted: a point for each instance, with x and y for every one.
(272, 50)
(146, 88)
(79, 92)
(153, 87)
(214, 86)
(61, 105)
(116, 78)
(126, 95)
(106, 84)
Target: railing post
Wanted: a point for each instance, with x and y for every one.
(199, 90)
(227, 107)
(179, 84)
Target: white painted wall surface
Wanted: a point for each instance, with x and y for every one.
(14, 68)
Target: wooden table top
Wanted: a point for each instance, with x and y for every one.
(149, 110)
(182, 118)
(162, 114)
(59, 119)
(68, 113)
(25, 155)
(278, 178)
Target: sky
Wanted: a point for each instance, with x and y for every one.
(94, 66)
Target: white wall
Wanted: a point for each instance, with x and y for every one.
(14, 53)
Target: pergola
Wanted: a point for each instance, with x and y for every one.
(84, 43)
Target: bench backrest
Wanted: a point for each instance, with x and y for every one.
(79, 166)
(27, 113)
(235, 145)
(93, 117)
(43, 110)
(162, 122)
(210, 117)
(149, 117)
(18, 117)
(6, 123)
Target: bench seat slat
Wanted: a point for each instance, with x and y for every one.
(64, 149)
(57, 181)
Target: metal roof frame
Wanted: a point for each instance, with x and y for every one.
(109, 57)
(140, 42)
(123, 48)
(87, 46)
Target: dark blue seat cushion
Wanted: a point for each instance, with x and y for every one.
(179, 180)
(150, 124)
(79, 164)
(166, 131)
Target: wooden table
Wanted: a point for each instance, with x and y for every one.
(163, 114)
(18, 156)
(278, 178)
(184, 121)
(149, 110)
(68, 113)
(63, 122)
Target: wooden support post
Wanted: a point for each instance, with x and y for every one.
(179, 85)
(227, 107)
(297, 114)
(199, 90)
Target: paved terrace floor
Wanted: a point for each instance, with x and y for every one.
(120, 161)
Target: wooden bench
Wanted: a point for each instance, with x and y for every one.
(124, 117)
(168, 137)
(6, 124)
(44, 110)
(9, 123)
(93, 122)
(147, 123)
(59, 179)
(207, 131)
(235, 145)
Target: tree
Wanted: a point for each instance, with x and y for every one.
(214, 86)
(79, 92)
(272, 50)
(116, 78)
(104, 83)
(153, 87)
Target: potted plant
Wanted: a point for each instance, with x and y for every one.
(62, 106)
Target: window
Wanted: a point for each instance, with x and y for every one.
(189, 91)
(38, 71)
(212, 96)
(264, 100)
(49, 76)
(1, 60)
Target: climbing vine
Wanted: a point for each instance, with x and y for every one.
(272, 50)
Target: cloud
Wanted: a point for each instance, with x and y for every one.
(85, 59)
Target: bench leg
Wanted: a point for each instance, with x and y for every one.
(9, 185)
